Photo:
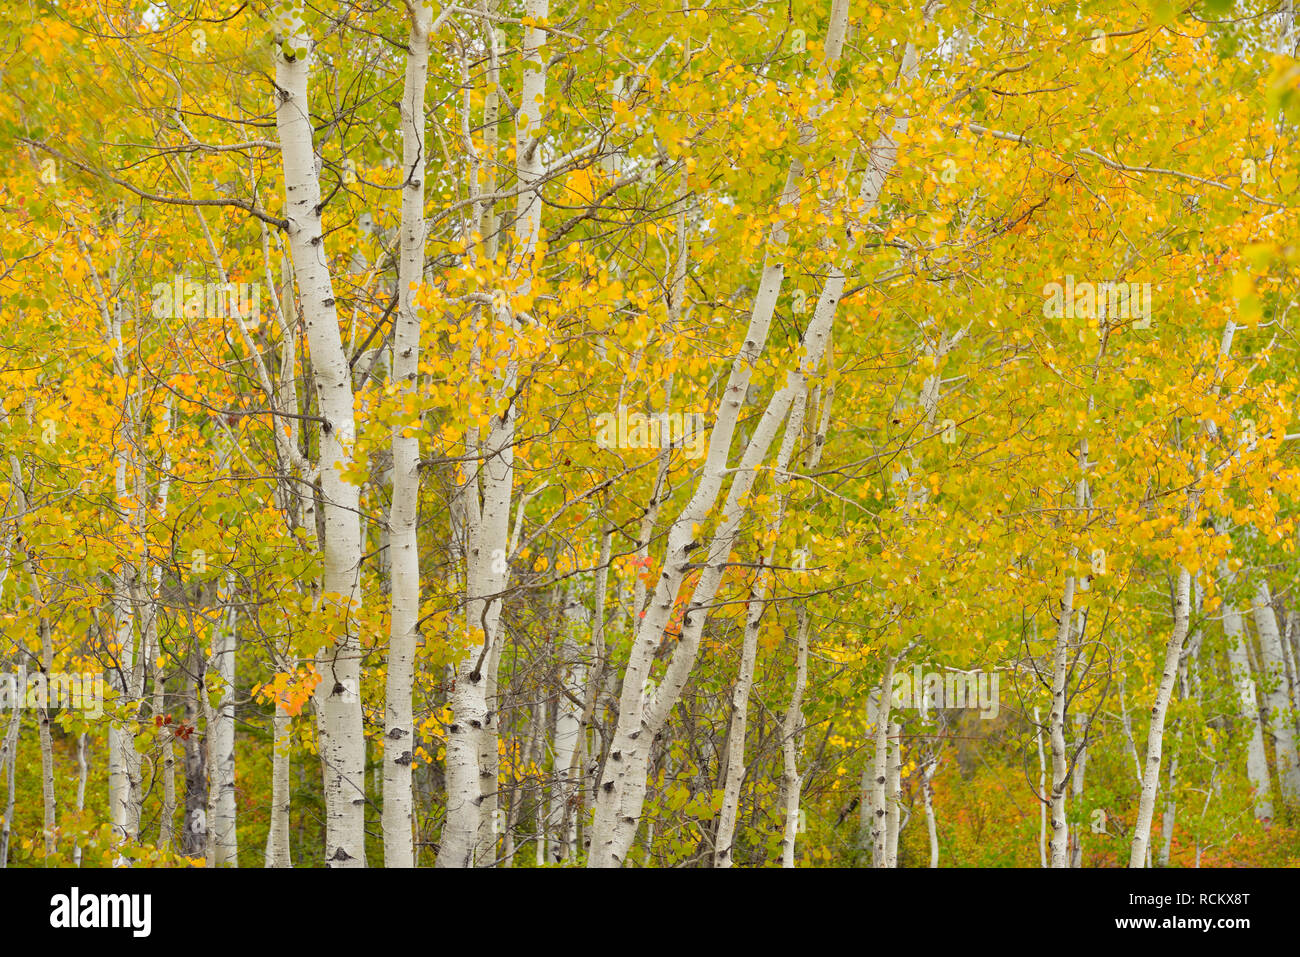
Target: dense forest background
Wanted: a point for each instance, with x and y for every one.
(532, 433)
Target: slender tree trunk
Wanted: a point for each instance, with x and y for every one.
(571, 674)
(1247, 705)
(489, 821)
(893, 808)
(472, 731)
(1288, 654)
(539, 804)
(165, 755)
(403, 550)
(866, 797)
(1291, 644)
(1042, 791)
(1080, 765)
(880, 770)
(342, 742)
(123, 760)
(9, 742)
(195, 837)
(1277, 700)
(27, 557)
(221, 738)
(791, 736)
(83, 769)
(9, 764)
(164, 749)
(927, 794)
(621, 794)
(1060, 765)
(735, 771)
(792, 724)
(1155, 735)
(300, 511)
(277, 838)
(48, 801)
(1170, 813)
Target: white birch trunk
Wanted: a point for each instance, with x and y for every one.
(1060, 765)
(1234, 633)
(1291, 645)
(9, 764)
(83, 769)
(1155, 735)
(893, 807)
(1042, 791)
(221, 738)
(1170, 813)
(46, 659)
(735, 769)
(1277, 698)
(301, 510)
(621, 794)
(403, 548)
(9, 743)
(927, 793)
(489, 822)
(473, 732)
(277, 838)
(338, 702)
(123, 766)
(880, 770)
(153, 661)
(791, 736)
(166, 761)
(568, 733)
(1080, 766)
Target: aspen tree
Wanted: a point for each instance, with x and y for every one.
(1151, 772)
(339, 705)
(403, 547)
(1277, 702)
(621, 793)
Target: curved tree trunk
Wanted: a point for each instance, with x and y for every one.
(1155, 735)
